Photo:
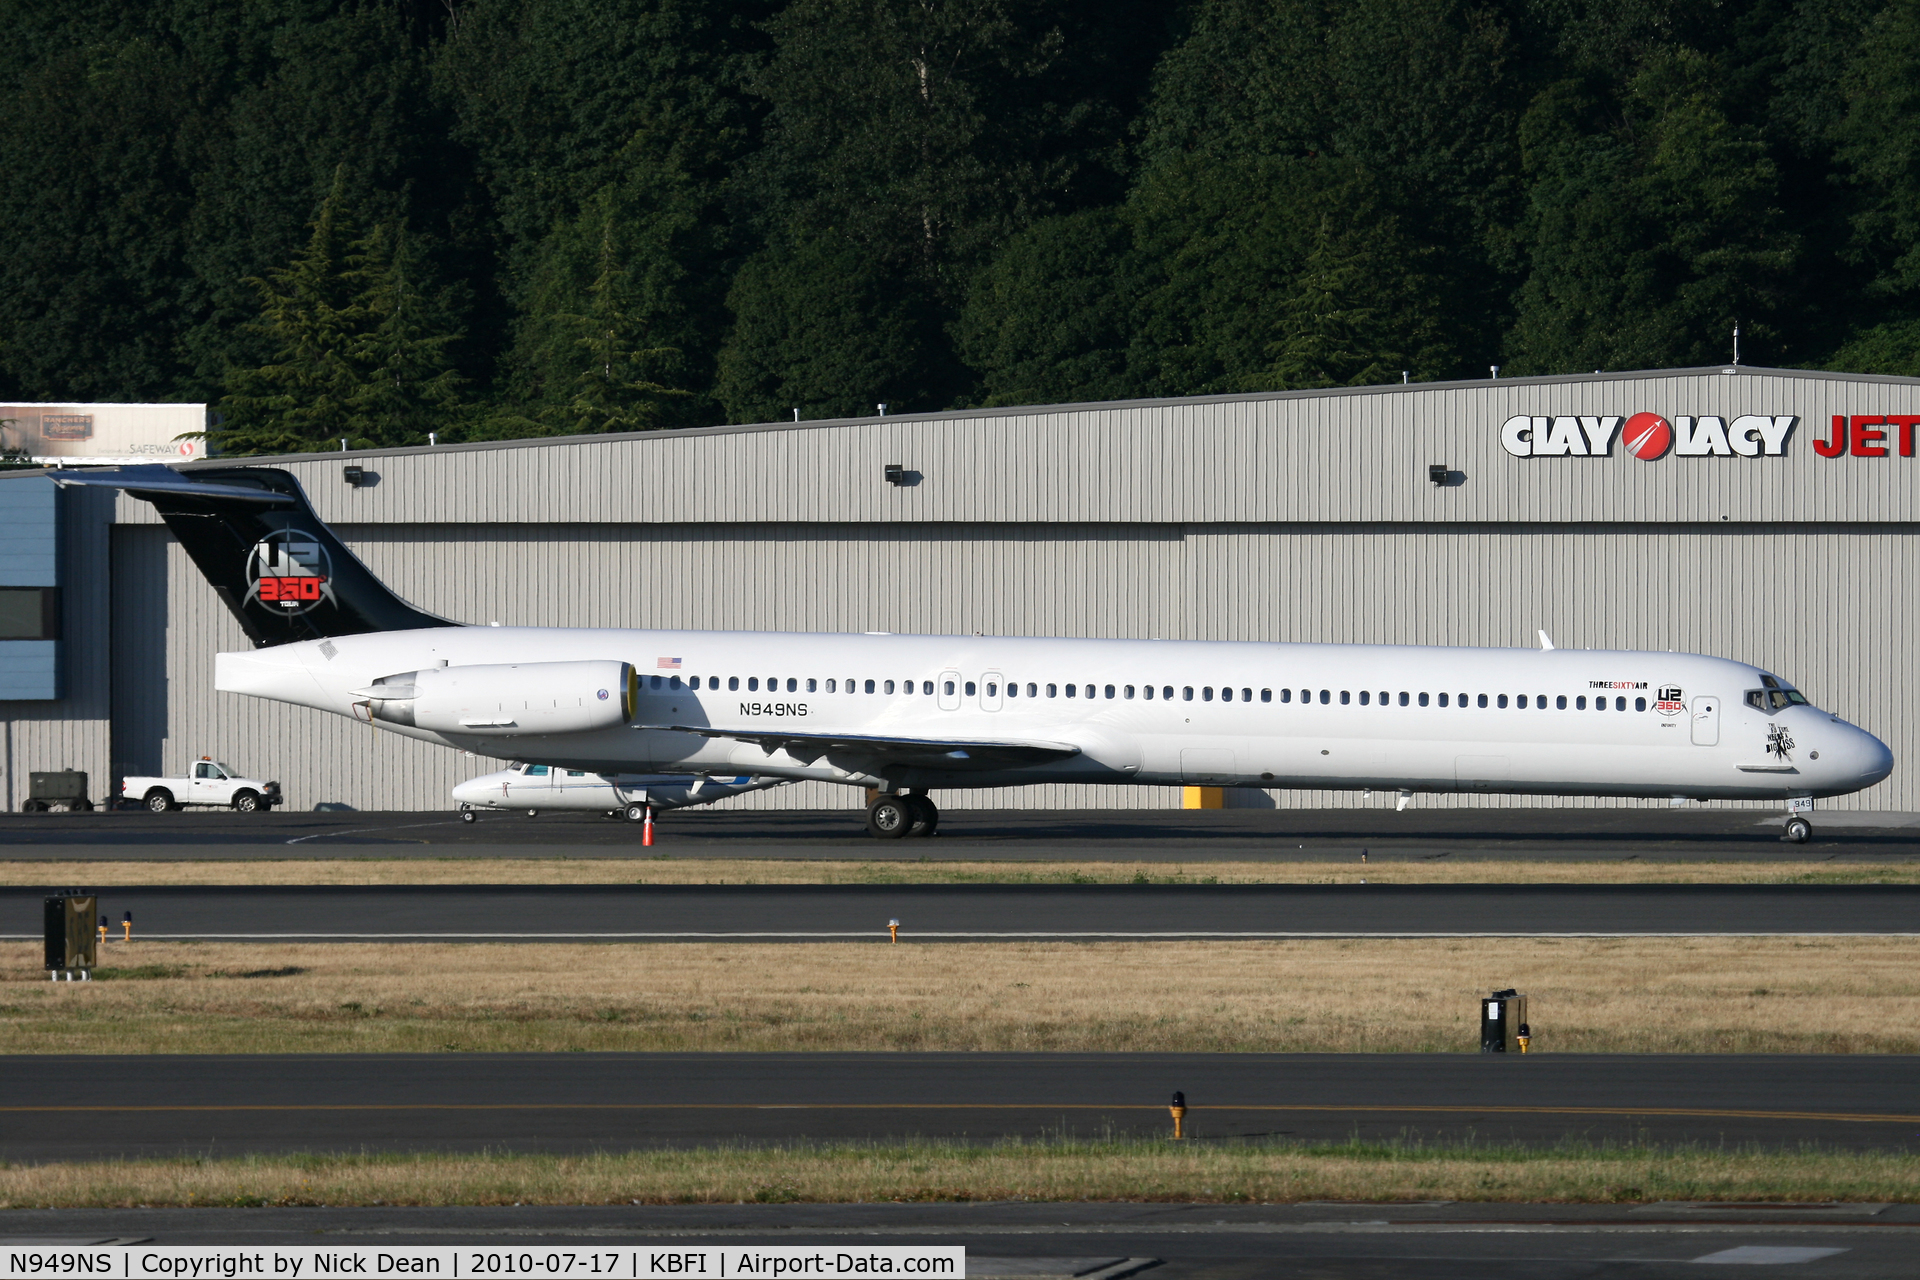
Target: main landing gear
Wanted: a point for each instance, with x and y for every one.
(891, 817)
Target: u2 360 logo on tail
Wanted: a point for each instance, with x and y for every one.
(288, 571)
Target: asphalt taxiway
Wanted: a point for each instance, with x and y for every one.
(978, 912)
(1047, 1241)
(1154, 836)
(84, 1107)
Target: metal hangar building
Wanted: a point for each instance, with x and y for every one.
(1761, 514)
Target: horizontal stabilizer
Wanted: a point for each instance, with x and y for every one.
(919, 753)
(154, 478)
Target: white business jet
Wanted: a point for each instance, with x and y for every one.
(540, 788)
(905, 715)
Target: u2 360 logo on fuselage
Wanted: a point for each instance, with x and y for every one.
(288, 571)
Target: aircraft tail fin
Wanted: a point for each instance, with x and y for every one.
(254, 536)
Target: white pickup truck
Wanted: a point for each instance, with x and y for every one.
(210, 782)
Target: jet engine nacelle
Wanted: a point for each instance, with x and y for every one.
(509, 699)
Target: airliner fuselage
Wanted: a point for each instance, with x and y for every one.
(836, 707)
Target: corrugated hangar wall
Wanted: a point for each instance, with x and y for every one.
(1285, 517)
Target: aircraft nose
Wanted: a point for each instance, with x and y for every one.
(1858, 756)
(469, 791)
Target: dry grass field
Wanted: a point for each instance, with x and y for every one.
(933, 1171)
(1384, 869)
(1652, 995)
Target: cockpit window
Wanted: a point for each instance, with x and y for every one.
(1770, 682)
(1775, 698)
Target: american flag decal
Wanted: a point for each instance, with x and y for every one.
(666, 664)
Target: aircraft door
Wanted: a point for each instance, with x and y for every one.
(1706, 722)
(992, 690)
(948, 690)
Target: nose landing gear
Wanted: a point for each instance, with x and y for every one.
(1799, 830)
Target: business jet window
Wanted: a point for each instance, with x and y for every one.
(1423, 699)
(1266, 695)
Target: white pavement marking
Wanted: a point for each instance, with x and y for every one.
(1767, 1255)
(360, 831)
(880, 935)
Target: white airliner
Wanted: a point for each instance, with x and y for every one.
(908, 714)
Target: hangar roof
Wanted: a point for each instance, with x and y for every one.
(1358, 454)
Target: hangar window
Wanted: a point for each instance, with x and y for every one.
(1483, 700)
(1129, 693)
(1639, 704)
(869, 686)
(1443, 699)
(970, 688)
(1266, 695)
(1053, 691)
(1073, 690)
(1423, 699)
(1109, 691)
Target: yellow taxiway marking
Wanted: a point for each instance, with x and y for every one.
(1698, 1112)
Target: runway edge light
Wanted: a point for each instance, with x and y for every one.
(1178, 1110)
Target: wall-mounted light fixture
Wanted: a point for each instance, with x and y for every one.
(895, 473)
(1438, 473)
(354, 475)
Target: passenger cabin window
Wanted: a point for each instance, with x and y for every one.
(1364, 696)
(1053, 691)
(993, 689)
(1443, 699)
(1186, 693)
(971, 688)
(1286, 695)
(1403, 699)
(1109, 691)
(1226, 694)
(1206, 693)
(1266, 695)
(869, 687)
(1483, 700)
(946, 688)
(1619, 704)
(1326, 696)
(1129, 692)
(1579, 704)
(1423, 699)
(1639, 704)
(536, 771)
(1346, 698)
(1033, 690)
(753, 684)
(1166, 693)
(1071, 690)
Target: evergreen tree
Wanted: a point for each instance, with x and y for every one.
(356, 353)
(1353, 317)
(1879, 147)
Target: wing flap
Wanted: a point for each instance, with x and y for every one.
(920, 753)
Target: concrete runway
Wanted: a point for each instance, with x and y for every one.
(1116, 1241)
(949, 913)
(66, 1108)
(1156, 836)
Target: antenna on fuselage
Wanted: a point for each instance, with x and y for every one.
(1545, 643)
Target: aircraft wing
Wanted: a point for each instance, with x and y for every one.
(919, 753)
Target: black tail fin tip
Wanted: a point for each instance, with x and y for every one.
(252, 533)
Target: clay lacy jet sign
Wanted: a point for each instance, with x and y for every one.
(1650, 437)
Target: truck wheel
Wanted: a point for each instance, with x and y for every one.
(160, 800)
(247, 802)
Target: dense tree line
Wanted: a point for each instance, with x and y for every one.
(487, 218)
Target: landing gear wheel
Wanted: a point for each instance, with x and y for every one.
(636, 813)
(926, 816)
(533, 813)
(466, 815)
(890, 817)
(1799, 830)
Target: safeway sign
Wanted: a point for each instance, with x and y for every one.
(1648, 436)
